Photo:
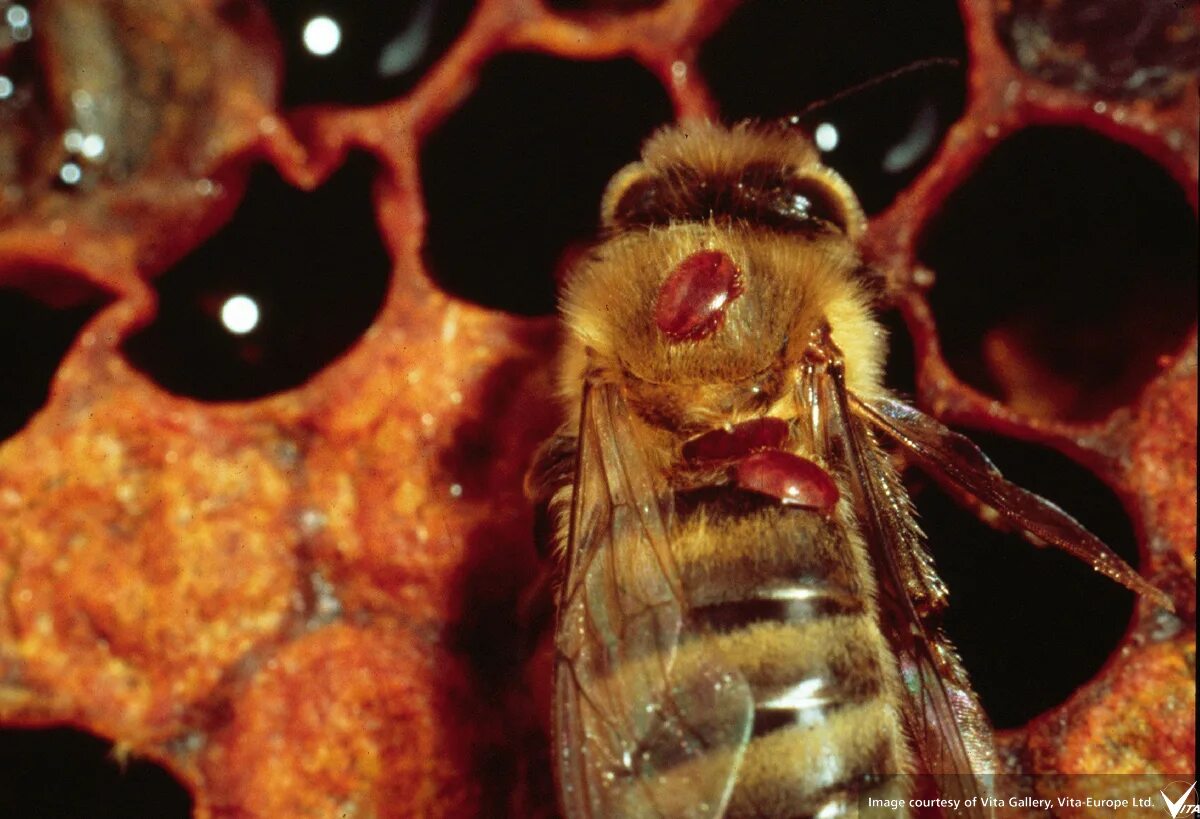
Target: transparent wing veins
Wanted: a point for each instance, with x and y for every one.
(631, 738)
(941, 715)
(954, 459)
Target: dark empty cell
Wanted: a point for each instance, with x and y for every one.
(900, 374)
(777, 58)
(280, 292)
(1032, 624)
(351, 52)
(59, 773)
(34, 337)
(1066, 270)
(513, 180)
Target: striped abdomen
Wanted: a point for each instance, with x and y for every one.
(784, 596)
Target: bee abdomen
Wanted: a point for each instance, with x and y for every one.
(790, 612)
(816, 684)
(824, 731)
(809, 771)
(782, 603)
(794, 772)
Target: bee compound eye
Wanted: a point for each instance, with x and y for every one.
(807, 200)
(642, 203)
(692, 301)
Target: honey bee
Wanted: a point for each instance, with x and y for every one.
(746, 618)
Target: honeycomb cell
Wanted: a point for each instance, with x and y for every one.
(515, 176)
(92, 103)
(401, 715)
(350, 52)
(61, 772)
(280, 292)
(1031, 624)
(878, 137)
(1066, 272)
(41, 333)
(1120, 49)
(20, 102)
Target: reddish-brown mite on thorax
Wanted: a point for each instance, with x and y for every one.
(693, 299)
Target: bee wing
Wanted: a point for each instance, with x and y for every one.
(634, 737)
(952, 459)
(942, 716)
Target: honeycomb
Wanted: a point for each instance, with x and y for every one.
(288, 566)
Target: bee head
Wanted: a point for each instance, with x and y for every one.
(763, 175)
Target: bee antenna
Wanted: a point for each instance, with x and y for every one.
(918, 65)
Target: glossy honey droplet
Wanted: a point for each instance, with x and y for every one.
(692, 301)
(740, 440)
(793, 480)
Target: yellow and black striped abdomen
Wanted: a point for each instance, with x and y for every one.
(784, 597)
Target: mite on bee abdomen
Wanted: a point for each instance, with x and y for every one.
(746, 610)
